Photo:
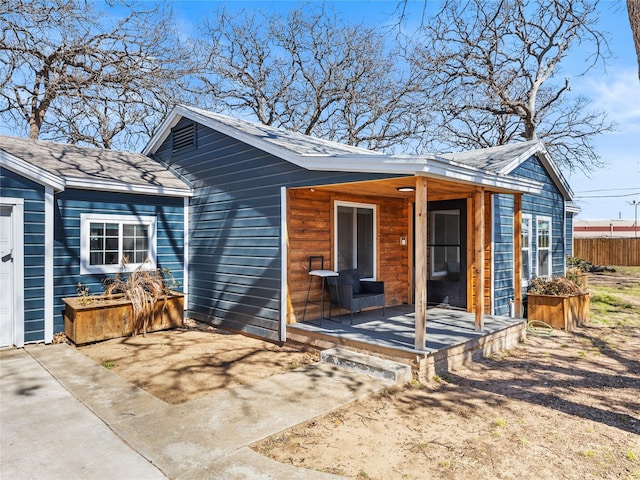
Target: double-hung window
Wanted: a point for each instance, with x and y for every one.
(111, 243)
(355, 242)
(543, 245)
(526, 249)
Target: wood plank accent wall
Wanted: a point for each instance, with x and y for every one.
(310, 232)
(472, 232)
(609, 251)
(517, 254)
(488, 259)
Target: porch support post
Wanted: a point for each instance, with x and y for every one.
(421, 264)
(517, 254)
(478, 224)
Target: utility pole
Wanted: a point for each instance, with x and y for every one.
(635, 204)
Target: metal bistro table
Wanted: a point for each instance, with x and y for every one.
(323, 275)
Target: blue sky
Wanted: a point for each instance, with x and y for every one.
(605, 193)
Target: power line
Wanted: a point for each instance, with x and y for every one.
(606, 196)
(608, 190)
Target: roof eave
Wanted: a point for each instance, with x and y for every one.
(556, 174)
(538, 149)
(164, 130)
(32, 172)
(428, 166)
(573, 208)
(101, 185)
(255, 141)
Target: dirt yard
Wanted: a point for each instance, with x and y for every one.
(566, 406)
(184, 364)
(561, 407)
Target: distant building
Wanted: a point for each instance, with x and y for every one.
(605, 228)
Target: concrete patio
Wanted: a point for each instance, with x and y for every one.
(451, 336)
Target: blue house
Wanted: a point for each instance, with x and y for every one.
(467, 230)
(547, 216)
(69, 214)
(239, 211)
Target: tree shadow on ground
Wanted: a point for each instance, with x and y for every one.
(593, 374)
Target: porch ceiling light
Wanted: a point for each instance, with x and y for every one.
(406, 189)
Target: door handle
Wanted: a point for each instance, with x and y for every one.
(6, 257)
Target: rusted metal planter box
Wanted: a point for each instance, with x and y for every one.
(561, 312)
(96, 318)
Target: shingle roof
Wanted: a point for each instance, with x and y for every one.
(76, 163)
(495, 159)
(316, 154)
(295, 142)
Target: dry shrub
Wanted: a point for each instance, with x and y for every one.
(143, 288)
(553, 286)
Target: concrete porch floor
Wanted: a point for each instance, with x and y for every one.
(451, 336)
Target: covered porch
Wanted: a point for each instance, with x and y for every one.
(402, 249)
(424, 227)
(452, 338)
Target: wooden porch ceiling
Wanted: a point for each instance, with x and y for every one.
(436, 189)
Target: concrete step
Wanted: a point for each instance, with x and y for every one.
(373, 366)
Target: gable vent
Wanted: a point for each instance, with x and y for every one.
(184, 138)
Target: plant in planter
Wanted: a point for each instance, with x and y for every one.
(137, 302)
(558, 301)
(144, 288)
(578, 271)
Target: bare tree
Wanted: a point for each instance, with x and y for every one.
(633, 8)
(314, 74)
(494, 68)
(75, 74)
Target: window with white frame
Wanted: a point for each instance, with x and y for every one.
(355, 238)
(526, 248)
(543, 246)
(107, 242)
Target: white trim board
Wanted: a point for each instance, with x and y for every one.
(17, 215)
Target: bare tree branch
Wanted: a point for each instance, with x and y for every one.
(494, 67)
(312, 73)
(75, 74)
(633, 8)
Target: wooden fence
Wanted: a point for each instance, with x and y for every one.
(608, 251)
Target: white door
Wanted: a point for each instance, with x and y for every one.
(6, 276)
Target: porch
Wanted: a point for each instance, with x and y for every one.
(451, 336)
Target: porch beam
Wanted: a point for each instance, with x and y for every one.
(478, 239)
(517, 254)
(421, 263)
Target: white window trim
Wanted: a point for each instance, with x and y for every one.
(371, 206)
(525, 281)
(432, 214)
(85, 224)
(543, 218)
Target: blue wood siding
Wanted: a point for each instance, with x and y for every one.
(569, 235)
(549, 203)
(14, 185)
(235, 228)
(503, 288)
(70, 204)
